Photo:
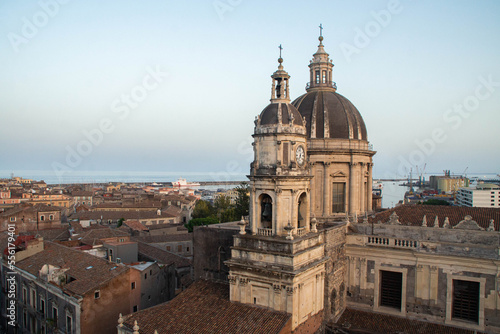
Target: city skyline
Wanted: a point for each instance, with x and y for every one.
(173, 87)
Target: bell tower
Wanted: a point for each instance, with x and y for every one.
(279, 262)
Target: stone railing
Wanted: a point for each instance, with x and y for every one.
(338, 145)
(391, 242)
(301, 231)
(267, 232)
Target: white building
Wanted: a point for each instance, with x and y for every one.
(484, 195)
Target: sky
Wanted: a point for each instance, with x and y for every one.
(156, 85)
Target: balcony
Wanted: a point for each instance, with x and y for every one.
(301, 231)
(328, 84)
(267, 232)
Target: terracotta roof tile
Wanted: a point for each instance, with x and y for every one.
(205, 308)
(88, 271)
(412, 215)
(357, 321)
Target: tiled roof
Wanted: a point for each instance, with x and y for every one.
(412, 215)
(135, 225)
(115, 215)
(30, 208)
(162, 256)
(205, 308)
(52, 234)
(178, 226)
(356, 321)
(82, 193)
(138, 205)
(99, 270)
(94, 236)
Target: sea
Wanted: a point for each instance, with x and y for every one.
(393, 191)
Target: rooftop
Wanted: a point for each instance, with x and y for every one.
(88, 271)
(205, 308)
(356, 321)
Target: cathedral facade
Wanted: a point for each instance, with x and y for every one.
(312, 246)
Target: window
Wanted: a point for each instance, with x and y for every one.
(338, 197)
(25, 295)
(42, 218)
(132, 286)
(55, 313)
(324, 76)
(145, 276)
(317, 77)
(51, 217)
(168, 248)
(179, 248)
(25, 319)
(135, 308)
(33, 298)
(150, 272)
(465, 305)
(42, 306)
(97, 294)
(69, 324)
(391, 289)
(187, 249)
(12, 219)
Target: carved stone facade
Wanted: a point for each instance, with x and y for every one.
(429, 259)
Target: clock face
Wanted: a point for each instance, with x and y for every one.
(300, 155)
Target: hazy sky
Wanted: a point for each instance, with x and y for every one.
(176, 85)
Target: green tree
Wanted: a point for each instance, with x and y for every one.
(434, 201)
(203, 209)
(120, 222)
(243, 200)
(222, 203)
(199, 222)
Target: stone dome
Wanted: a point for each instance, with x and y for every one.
(330, 115)
(269, 116)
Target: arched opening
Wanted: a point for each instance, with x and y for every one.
(333, 300)
(302, 211)
(266, 211)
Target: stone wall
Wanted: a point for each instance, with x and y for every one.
(335, 290)
(212, 247)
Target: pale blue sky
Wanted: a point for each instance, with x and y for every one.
(405, 79)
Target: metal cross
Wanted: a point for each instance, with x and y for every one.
(281, 48)
(320, 29)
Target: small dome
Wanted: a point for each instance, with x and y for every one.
(330, 115)
(269, 115)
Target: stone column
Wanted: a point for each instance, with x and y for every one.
(326, 192)
(351, 186)
(370, 184)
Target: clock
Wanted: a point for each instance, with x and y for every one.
(300, 155)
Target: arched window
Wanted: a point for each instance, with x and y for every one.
(266, 211)
(302, 211)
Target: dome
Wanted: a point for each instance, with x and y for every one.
(269, 116)
(330, 115)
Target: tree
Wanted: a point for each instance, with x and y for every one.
(434, 201)
(199, 222)
(120, 222)
(222, 203)
(203, 209)
(243, 200)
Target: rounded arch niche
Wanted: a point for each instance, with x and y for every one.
(303, 211)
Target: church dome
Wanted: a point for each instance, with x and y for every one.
(271, 114)
(330, 115)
